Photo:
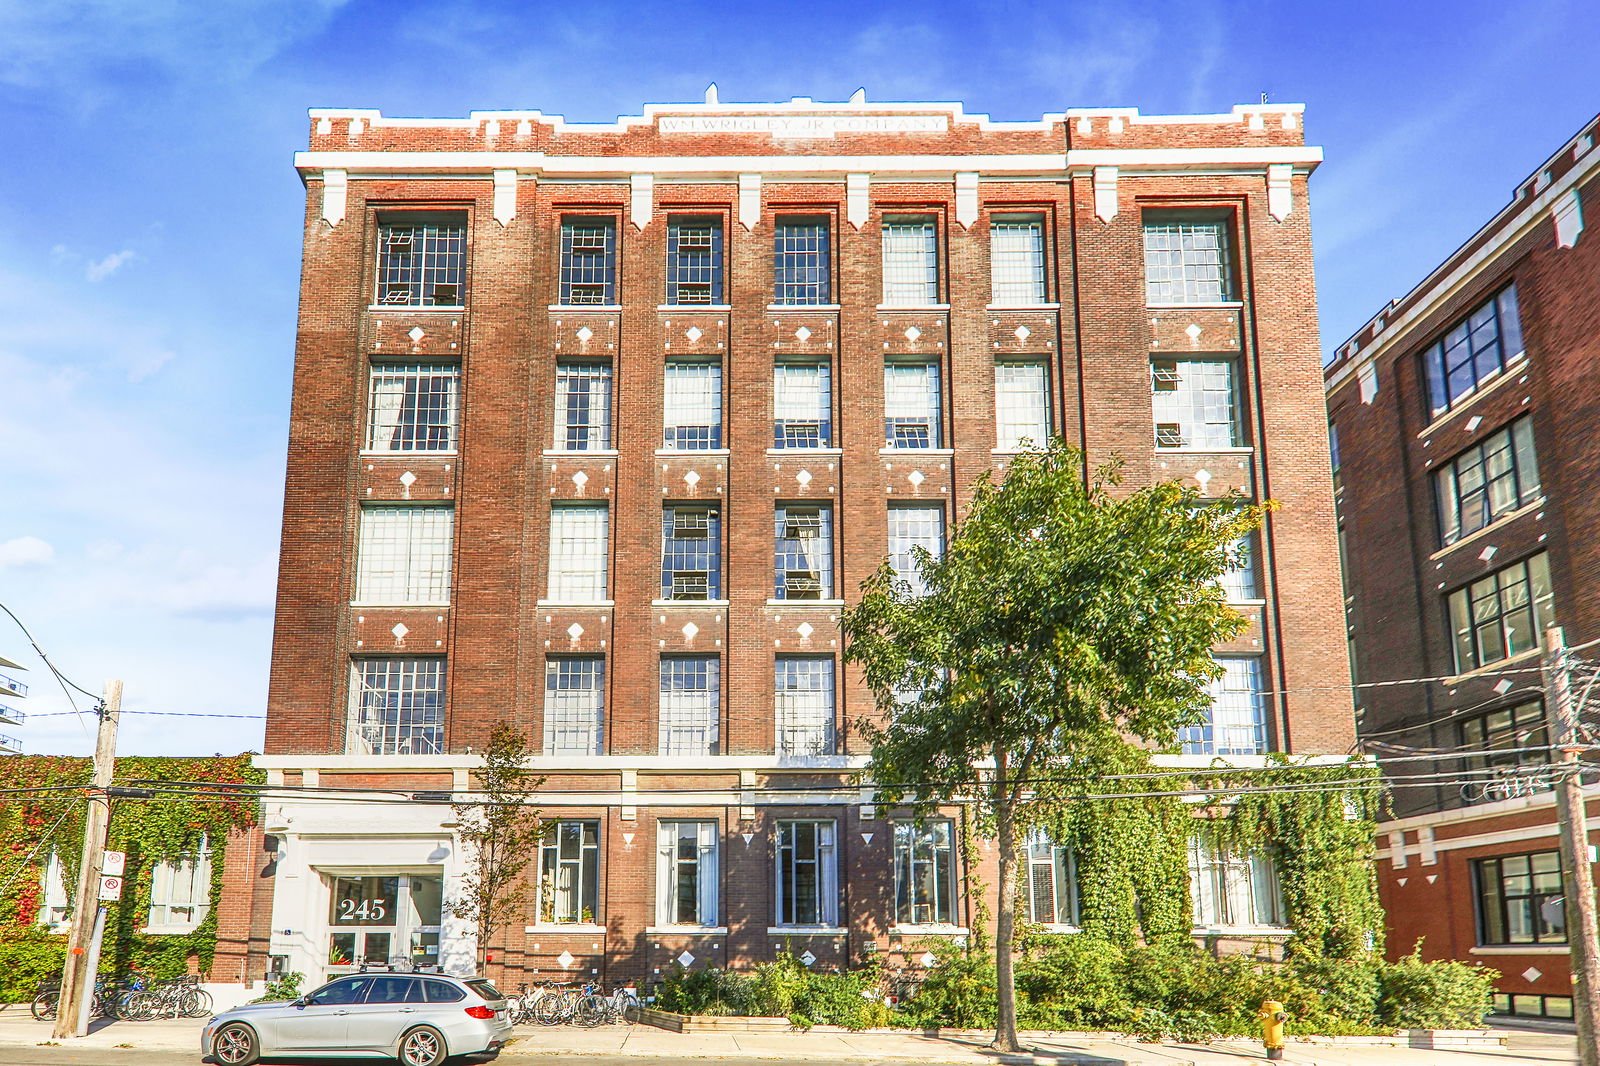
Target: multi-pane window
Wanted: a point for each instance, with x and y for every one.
(913, 526)
(583, 407)
(1052, 881)
(800, 268)
(413, 407)
(54, 904)
(1493, 477)
(1016, 259)
(1474, 350)
(803, 552)
(691, 704)
(1232, 888)
(691, 552)
(422, 263)
(686, 873)
(924, 873)
(574, 705)
(1503, 736)
(804, 711)
(1021, 406)
(1503, 614)
(802, 405)
(588, 260)
(1194, 403)
(694, 260)
(180, 890)
(569, 873)
(578, 552)
(1532, 1005)
(1236, 723)
(1333, 457)
(692, 406)
(403, 554)
(396, 707)
(1187, 260)
(807, 878)
(911, 405)
(910, 261)
(1239, 580)
(1520, 899)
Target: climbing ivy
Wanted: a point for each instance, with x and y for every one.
(147, 831)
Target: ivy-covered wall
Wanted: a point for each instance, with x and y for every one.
(147, 830)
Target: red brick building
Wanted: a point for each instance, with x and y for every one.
(597, 428)
(1463, 427)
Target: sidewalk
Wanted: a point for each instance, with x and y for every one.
(644, 1042)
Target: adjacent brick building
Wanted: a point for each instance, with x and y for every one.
(598, 427)
(1463, 419)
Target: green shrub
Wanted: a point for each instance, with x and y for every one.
(1416, 994)
(285, 986)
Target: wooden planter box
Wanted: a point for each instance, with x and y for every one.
(712, 1023)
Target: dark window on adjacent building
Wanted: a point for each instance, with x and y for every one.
(1503, 614)
(691, 552)
(800, 267)
(1333, 457)
(694, 260)
(422, 263)
(1520, 899)
(1502, 734)
(588, 260)
(1493, 477)
(1188, 259)
(1474, 350)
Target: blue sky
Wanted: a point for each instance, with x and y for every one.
(149, 229)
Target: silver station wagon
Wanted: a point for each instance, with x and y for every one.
(419, 1018)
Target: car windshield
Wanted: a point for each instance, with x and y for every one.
(485, 989)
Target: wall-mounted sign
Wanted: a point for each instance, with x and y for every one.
(113, 863)
(110, 887)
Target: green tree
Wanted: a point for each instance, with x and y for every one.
(499, 833)
(1066, 619)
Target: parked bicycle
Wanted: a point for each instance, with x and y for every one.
(47, 1000)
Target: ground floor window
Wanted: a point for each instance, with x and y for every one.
(924, 873)
(1232, 888)
(686, 873)
(569, 872)
(1530, 1006)
(807, 876)
(1052, 882)
(1520, 899)
(384, 918)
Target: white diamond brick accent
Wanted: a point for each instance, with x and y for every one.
(689, 630)
(912, 333)
(691, 479)
(928, 959)
(408, 479)
(686, 959)
(566, 959)
(1194, 331)
(574, 631)
(807, 958)
(1488, 552)
(803, 334)
(585, 334)
(416, 334)
(1021, 333)
(1532, 974)
(804, 477)
(580, 479)
(1503, 686)
(399, 631)
(693, 333)
(804, 629)
(916, 478)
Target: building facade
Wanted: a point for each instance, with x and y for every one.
(1463, 428)
(598, 427)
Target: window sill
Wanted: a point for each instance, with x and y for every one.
(1235, 450)
(929, 930)
(1498, 666)
(1247, 603)
(805, 603)
(1468, 400)
(565, 927)
(1241, 930)
(804, 451)
(1196, 304)
(941, 452)
(807, 930)
(605, 309)
(580, 453)
(575, 603)
(694, 307)
(1519, 949)
(412, 309)
(690, 930)
(368, 605)
(1503, 520)
(1008, 452)
(1023, 307)
(1058, 927)
(688, 603)
(169, 930)
(913, 307)
(690, 453)
(802, 307)
(408, 453)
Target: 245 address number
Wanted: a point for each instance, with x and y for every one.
(364, 910)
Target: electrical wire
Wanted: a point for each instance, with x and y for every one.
(61, 679)
(41, 843)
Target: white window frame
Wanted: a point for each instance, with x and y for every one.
(690, 719)
(562, 875)
(916, 845)
(55, 905)
(1021, 405)
(394, 389)
(1236, 721)
(573, 711)
(703, 839)
(802, 393)
(1188, 259)
(596, 434)
(407, 718)
(802, 550)
(691, 399)
(580, 551)
(902, 539)
(910, 261)
(804, 711)
(911, 399)
(1230, 889)
(1051, 869)
(178, 885)
(1195, 403)
(403, 554)
(1017, 260)
(787, 857)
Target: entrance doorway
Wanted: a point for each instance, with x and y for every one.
(386, 919)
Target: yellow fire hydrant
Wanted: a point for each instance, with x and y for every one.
(1272, 1017)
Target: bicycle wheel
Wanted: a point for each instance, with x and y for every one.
(196, 1003)
(632, 1010)
(591, 1011)
(141, 1006)
(551, 1009)
(45, 1004)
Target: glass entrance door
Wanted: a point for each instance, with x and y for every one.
(384, 919)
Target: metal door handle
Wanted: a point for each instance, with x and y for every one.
(408, 1010)
(341, 1012)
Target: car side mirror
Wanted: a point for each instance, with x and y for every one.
(301, 1002)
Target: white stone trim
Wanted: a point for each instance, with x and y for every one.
(966, 197)
(749, 200)
(1280, 190)
(1567, 214)
(857, 198)
(686, 930)
(1105, 193)
(505, 196)
(807, 930)
(641, 199)
(1520, 949)
(335, 195)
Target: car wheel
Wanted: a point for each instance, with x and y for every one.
(423, 1046)
(235, 1045)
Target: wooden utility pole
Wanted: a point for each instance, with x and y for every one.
(76, 980)
(1583, 938)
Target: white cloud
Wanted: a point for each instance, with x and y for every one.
(101, 269)
(146, 366)
(25, 551)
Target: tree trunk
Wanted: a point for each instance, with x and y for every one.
(1005, 1030)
